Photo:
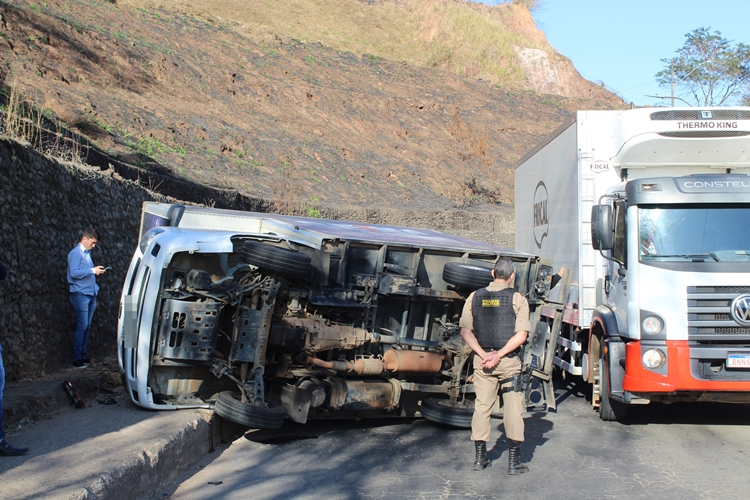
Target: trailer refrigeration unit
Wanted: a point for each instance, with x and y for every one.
(650, 211)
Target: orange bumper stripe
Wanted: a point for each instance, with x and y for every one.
(639, 379)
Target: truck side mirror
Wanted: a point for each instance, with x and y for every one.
(174, 214)
(602, 231)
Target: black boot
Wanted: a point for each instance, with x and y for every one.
(481, 462)
(514, 458)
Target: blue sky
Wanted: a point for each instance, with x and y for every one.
(621, 42)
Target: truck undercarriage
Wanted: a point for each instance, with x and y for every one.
(277, 330)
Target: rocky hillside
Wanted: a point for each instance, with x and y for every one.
(420, 105)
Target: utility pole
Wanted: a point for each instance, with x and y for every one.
(671, 69)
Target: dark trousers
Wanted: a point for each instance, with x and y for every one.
(84, 306)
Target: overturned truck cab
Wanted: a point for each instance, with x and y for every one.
(266, 317)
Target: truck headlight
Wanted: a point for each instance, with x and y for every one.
(652, 325)
(653, 358)
(148, 237)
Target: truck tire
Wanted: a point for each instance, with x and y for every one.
(470, 276)
(609, 410)
(443, 411)
(280, 260)
(230, 407)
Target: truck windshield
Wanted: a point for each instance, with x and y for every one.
(719, 233)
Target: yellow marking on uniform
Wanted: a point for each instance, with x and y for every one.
(490, 302)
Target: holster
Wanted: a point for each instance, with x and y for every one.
(520, 380)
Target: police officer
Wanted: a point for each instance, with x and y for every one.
(495, 323)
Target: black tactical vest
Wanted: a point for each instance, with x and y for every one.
(494, 317)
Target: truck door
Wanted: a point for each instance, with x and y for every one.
(616, 285)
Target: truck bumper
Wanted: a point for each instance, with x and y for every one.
(679, 375)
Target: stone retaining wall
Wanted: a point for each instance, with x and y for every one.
(44, 207)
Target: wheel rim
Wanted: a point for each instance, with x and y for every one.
(595, 372)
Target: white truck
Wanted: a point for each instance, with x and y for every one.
(650, 211)
(266, 317)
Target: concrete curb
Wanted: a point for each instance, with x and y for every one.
(156, 467)
(103, 451)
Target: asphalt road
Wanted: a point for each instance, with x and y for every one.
(680, 451)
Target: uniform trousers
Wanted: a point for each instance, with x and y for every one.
(486, 387)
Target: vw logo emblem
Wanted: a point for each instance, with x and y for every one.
(740, 309)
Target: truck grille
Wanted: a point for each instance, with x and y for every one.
(705, 133)
(695, 114)
(709, 318)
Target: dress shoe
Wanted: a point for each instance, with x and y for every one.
(6, 450)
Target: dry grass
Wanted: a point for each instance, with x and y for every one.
(22, 121)
(459, 37)
(465, 41)
(172, 93)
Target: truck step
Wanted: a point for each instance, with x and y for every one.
(571, 345)
(572, 369)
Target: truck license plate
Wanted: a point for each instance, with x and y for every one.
(736, 360)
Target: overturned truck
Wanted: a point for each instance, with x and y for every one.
(265, 317)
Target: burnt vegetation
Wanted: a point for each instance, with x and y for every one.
(197, 95)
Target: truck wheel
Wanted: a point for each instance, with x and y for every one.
(276, 259)
(230, 407)
(443, 411)
(609, 410)
(469, 276)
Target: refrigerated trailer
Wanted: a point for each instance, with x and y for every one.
(649, 209)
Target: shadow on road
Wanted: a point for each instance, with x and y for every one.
(572, 387)
(705, 413)
(689, 414)
(536, 428)
(292, 431)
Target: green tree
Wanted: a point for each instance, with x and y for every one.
(709, 68)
